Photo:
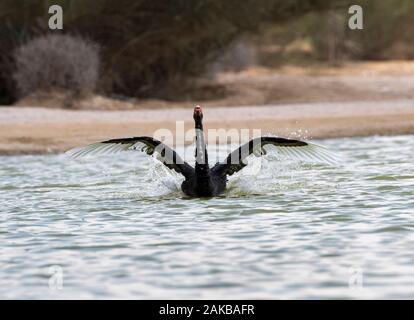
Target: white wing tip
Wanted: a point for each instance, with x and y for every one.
(312, 153)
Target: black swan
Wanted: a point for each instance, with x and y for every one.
(203, 181)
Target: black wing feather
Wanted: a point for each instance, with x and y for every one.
(236, 160)
(167, 156)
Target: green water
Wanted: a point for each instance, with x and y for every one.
(113, 228)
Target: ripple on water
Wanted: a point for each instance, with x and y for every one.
(119, 227)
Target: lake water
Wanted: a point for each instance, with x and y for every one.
(110, 227)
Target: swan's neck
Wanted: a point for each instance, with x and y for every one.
(201, 165)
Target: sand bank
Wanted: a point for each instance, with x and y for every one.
(29, 130)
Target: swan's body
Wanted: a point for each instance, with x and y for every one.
(201, 180)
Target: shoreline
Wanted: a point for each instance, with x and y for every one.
(36, 130)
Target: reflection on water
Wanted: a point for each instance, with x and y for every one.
(118, 227)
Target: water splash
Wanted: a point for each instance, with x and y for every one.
(263, 175)
(158, 181)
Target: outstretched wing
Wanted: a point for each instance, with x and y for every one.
(147, 144)
(294, 149)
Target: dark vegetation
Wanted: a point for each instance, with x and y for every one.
(156, 48)
(325, 36)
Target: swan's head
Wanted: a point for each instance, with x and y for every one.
(198, 113)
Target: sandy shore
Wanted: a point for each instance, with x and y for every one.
(28, 130)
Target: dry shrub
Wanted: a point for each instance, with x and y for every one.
(57, 62)
(237, 56)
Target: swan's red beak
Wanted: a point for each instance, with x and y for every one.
(198, 113)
